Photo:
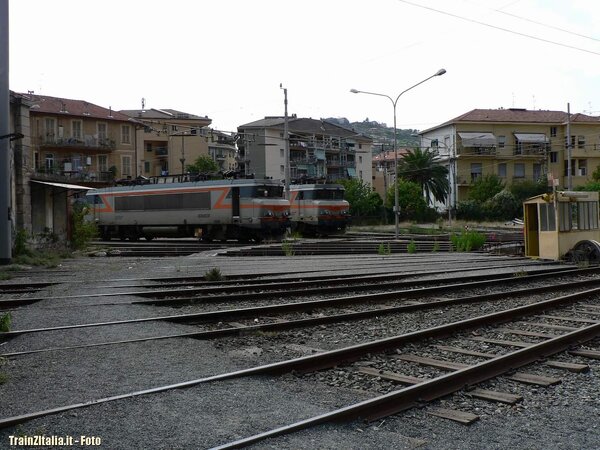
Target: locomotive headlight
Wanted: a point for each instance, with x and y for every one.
(268, 213)
(323, 212)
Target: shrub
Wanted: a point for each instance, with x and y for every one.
(467, 240)
(213, 274)
(5, 322)
(411, 247)
(469, 210)
(288, 248)
(384, 250)
(83, 230)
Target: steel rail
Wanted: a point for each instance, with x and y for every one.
(426, 391)
(10, 303)
(309, 305)
(288, 307)
(312, 321)
(334, 357)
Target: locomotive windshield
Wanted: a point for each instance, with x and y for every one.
(323, 194)
(261, 191)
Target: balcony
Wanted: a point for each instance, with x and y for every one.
(72, 176)
(89, 142)
(476, 151)
(161, 151)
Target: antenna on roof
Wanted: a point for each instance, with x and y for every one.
(143, 103)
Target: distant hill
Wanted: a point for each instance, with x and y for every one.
(379, 132)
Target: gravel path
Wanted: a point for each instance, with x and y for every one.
(565, 416)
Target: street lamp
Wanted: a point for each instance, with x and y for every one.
(394, 103)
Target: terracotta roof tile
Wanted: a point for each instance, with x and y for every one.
(66, 106)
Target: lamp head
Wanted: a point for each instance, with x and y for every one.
(440, 72)
(354, 91)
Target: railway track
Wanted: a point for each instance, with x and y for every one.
(412, 337)
(565, 309)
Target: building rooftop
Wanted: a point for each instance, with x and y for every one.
(163, 114)
(517, 115)
(56, 105)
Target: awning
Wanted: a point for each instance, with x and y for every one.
(351, 171)
(471, 139)
(531, 137)
(73, 187)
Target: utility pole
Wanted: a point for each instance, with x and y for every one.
(5, 176)
(569, 162)
(286, 139)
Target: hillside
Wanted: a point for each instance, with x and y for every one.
(379, 132)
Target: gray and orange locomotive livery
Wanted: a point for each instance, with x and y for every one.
(243, 209)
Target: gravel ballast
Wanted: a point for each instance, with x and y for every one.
(564, 416)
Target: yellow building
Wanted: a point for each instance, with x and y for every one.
(168, 140)
(516, 145)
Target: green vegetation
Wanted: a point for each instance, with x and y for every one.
(467, 241)
(5, 320)
(411, 202)
(288, 248)
(363, 200)
(384, 249)
(421, 167)
(83, 230)
(436, 247)
(24, 255)
(411, 247)
(213, 274)
(491, 200)
(203, 164)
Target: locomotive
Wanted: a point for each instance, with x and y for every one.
(319, 209)
(243, 209)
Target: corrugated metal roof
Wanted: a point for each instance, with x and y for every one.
(63, 185)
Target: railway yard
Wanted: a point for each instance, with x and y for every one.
(317, 345)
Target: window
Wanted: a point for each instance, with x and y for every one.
(281, 153)
(49, 161)
(552, 131)
(50, 128)
(580, 141)
(564, 216)
(126, 165)
(501, 141)
(566, 167)
(76, 127)
(502, 170)
(125, 134)
(173, 127)
(360, 174)
(360, 159)
(102, 131)
(587, 215)
(282, 169)
(476, 171)
(553, 157)
(582, 167)
(36, 160)
(572, 141)
(103, 163)
(146, 166)
(148, 146)
(547, 218)
(537, 171)
(519, 170)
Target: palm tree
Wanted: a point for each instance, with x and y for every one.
(422, 167)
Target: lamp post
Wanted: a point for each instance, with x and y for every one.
(394, 103)
(286, 139)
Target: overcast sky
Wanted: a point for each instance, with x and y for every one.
(226, 58)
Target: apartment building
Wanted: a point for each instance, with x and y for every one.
(516, 145)
(167, 140)
(318, 150)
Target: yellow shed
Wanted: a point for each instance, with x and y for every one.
(562, 225)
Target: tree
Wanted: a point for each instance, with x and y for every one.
(421, 167)
(410, 200)
(363, 200)
(203, 164)
(485, 188)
